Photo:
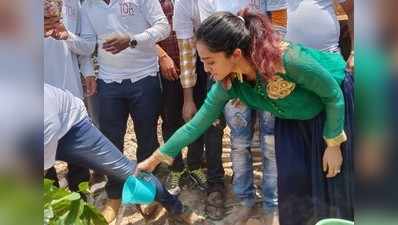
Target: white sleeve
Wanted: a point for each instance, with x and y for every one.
(183, 19)
(86, 65)
(206, 8)
(85, 44)
(160, 28)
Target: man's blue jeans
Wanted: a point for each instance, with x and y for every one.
(241, 120)
(142, 101)
(85, 145)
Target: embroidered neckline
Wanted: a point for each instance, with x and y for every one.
(277, 88)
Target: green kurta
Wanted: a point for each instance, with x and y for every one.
(317, 77)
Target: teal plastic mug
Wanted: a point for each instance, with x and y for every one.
(139, 190)
(334, 222)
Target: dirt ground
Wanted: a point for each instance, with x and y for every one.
(190, 195)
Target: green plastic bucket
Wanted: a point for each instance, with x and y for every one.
(334, 222)
(139, 190)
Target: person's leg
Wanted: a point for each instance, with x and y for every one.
(172, 102)
(215, 202)
(113, 123)
(270, 181)
(144, 103)
(239, 119)
(85, 145)
(93, 108)
(171, 115)
(196, 149)
(213, 143)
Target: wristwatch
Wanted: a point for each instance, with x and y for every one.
(133, 43)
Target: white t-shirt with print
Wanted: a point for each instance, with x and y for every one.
(142, 20)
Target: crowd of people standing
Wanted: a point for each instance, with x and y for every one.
(203, 65)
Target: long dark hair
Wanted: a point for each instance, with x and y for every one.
(250, 31)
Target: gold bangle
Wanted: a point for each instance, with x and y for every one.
(336, 141)
(163, 157)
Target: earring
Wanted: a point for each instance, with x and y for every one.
(239, 76)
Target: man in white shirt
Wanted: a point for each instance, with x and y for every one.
(241, 119)
(62, 56)
(126, 32)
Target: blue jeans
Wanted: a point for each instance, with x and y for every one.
(85, 145)
(241, 122)
(142, 101)
(92, 103)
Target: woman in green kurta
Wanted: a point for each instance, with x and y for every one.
(310, 95)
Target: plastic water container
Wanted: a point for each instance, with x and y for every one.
(139, 190)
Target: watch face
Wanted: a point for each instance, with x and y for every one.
(133, 43)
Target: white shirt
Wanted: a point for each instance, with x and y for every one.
(62, 111)
(61, 67)
(142, 20)
(186, 19)
(314, 24)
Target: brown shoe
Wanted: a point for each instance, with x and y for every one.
(239, 216)
(111, 209)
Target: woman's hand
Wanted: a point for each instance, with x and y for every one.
(332, 161)
(148, 165)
